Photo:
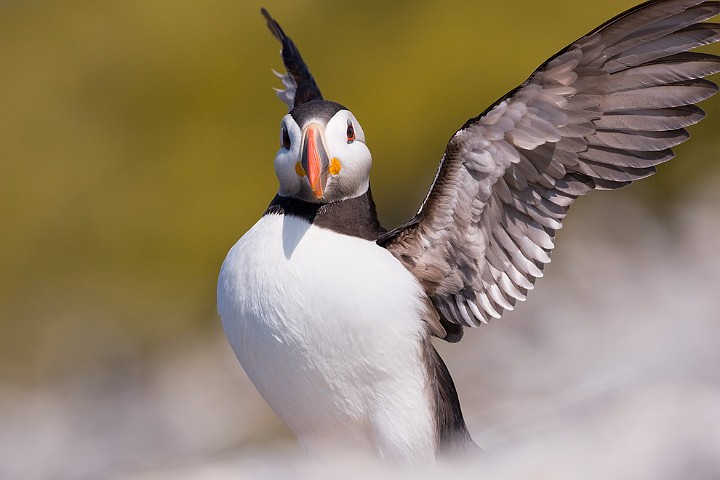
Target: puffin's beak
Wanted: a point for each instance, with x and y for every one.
(315, 159)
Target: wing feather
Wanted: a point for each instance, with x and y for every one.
(298, 83)
(603, 112)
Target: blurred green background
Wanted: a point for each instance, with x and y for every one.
(137, 140)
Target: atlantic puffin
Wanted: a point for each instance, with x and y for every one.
(331, 315)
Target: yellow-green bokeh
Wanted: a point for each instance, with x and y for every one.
(137, 139)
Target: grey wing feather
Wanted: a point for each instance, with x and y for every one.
(598, 115)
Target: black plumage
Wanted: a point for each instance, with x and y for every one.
(306, 88)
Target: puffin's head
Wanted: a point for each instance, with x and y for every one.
(323, 157)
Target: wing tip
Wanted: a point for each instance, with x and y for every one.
(305, 88)
(273, 25)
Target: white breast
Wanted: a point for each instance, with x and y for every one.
(327, 328)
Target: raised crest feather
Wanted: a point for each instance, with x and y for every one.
(299, 84)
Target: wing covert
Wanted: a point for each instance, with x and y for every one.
(600, 114)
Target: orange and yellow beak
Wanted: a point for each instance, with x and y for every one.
(315, 159)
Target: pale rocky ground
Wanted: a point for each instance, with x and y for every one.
(611, 370)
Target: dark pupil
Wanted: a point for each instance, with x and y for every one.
(285, 138)
(350, 131)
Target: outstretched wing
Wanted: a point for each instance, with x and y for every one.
(598, 115)
(299, 85)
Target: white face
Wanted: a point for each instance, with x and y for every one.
(323, 163)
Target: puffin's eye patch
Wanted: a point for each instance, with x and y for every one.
(285, 138)
(350, 131)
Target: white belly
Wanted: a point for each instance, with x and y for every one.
(327, 328)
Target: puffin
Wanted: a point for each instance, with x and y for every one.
(333, 317)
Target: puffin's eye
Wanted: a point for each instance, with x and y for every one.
(285, 138)
(350, 131)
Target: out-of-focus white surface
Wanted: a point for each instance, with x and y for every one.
(611, 369)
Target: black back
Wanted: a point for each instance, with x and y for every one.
(450, 430)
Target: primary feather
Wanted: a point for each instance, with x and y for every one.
(600, 114)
